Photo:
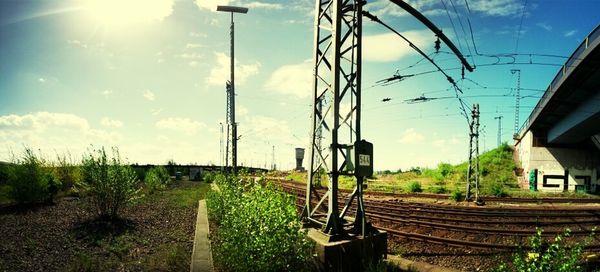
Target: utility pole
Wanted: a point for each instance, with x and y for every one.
(473, 170)
(221, 162)
(228, 124)
(499, 129)
(337, 63)
(231, 84)
(517, 101)
(273, 166)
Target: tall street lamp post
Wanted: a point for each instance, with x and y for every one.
(231, 85)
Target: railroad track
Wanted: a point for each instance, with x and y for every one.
(549, 200)
(477, 227)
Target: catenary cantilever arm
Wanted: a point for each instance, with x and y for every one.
(435, 30)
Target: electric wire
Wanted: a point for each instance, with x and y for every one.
(520, 26)
(457, 89)
(452, 24)
(462, 27)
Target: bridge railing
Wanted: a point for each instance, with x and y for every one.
(569, 65)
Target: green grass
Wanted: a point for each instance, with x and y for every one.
(297, 176)
(185, 194)
(496, 167)
(167, 257)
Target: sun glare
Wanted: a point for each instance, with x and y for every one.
(122, 13)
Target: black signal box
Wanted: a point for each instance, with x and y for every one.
(363, 159)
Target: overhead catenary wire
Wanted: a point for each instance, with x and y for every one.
(449, 78)
(520, 27)
(462, 27)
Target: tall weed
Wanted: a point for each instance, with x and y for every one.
(31, 180)
(110, 184)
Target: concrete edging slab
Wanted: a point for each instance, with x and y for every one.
(201, 252)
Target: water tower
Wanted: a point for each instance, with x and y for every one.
(299, 158)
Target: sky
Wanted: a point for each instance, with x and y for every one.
(148, 76)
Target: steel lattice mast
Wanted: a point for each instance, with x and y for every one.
(473, 168)
(336, 82)
(517, 102)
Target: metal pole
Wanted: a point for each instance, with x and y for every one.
(233, 123)
(517, 101)
(499, 129)
(221, 147)
(476, 136)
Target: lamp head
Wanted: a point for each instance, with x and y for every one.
(232, 9)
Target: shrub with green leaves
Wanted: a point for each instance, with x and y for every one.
(262, 232)
(31, 180)
(67, 172)
(414, 187)
(157, 178)
(545, 256)
(220, 201)
(438, 189)
(456, 195)
(110, 184)
(495, 188)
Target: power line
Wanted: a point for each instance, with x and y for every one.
(461, 26)
(457, 90)
(452, 23)
(520, 26)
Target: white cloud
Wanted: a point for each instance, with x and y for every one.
(436, 8)
(193, 45)
(107, 93)
(544, 26)
(44, 130)
(156, 112)
(262, 5)
(77, 43)
(197, 35)
(220, 72)
(47, 80)
(190, 56)
(426, 7)
(389, 47)
(211, 4)
(570, 33)
(292, 79)
(184, 125)
(149, 95)
(411, 136)
(107, 122)
(264, 128)
(496, 7)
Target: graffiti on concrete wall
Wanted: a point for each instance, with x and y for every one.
(564, 178)
(557, 181)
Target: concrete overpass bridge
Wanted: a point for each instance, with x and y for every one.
(558, 146)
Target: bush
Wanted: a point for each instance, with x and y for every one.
(496, 189)
(209, 176)
(110, 184)
(30, 180)
(438, 189)
(545, 255)
(157, 178)
(262, 233)
(457, 195)
(414, 187)
(220, 202)
(67, 172)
